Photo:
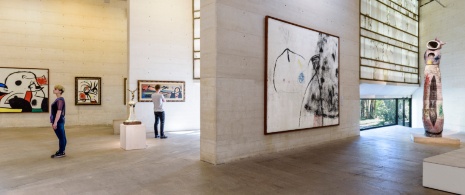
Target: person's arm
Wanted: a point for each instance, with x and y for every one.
(163, 98)
(57, 117)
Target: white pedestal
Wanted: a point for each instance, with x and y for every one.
(445, 171)
(421, 138)
(133, 137)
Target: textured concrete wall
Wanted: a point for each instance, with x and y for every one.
(71, 38)
(447, 25)
(160, 48)
(233, 66)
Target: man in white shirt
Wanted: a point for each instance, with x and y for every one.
(158, 99)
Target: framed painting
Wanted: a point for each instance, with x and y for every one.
(125, 95)
(302, 77)
(88, 91)
(24, 90)
(173, 91)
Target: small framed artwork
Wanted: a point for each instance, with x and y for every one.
(88, 91)
(173, 91)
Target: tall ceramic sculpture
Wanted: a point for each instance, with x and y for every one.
(132, 114)
(433, 115)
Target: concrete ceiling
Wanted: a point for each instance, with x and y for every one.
(376, 89)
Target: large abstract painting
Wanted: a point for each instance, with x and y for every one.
(24, 90)
(302, 77)
(173, 91)
(88, 91)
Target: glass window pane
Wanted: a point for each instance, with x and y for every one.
(389, 35)
(386, 112)
(196, 28)
(367, 114)
(197, 14)
(400, 112)
(407, 113)
(382, 112)
(197, 69)
(196, 54)
(196, 4)
(196, 35)
(377, 113)
(196, 44)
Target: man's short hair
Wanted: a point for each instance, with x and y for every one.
(157, 87)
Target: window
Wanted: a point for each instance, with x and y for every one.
(384, 112)
(403, 112)
(196, 25)
(389, 41)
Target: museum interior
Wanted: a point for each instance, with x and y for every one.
(262, 97)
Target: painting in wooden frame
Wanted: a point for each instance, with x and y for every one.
(24, 90)
(173, 91)
(302, 77)
(88, 91)
(125, 90)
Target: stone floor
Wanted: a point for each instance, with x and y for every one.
(380, 161)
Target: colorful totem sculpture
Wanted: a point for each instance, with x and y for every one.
(433, 114)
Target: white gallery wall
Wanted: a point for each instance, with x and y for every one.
(233, 74)
(160, 48)
(447, 25)
(71, 38)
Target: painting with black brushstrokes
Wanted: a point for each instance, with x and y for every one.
(88, 91)
(24, 90)
(302, 77)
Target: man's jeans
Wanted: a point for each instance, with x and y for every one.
(161, 116)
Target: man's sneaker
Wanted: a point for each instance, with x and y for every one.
(58, 155)
(163, 137)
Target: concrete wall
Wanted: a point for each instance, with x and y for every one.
(233, 66)
(447, 25)
(160, 48)
(71, 38)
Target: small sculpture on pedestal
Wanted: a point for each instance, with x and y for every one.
(433, 114)
(132, 114)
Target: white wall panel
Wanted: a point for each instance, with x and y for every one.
(160, 44)
(233, 66)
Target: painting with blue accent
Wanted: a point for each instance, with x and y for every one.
(173, 91)
(302, 77)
